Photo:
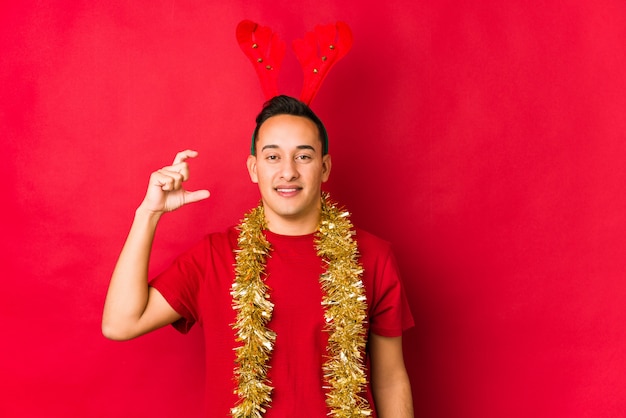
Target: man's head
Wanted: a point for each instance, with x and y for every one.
(289, 167)
(286, 105)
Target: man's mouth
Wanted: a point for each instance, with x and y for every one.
(287, 191)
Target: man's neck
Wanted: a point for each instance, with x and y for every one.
(293, 227)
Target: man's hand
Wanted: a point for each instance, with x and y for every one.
(165, 190)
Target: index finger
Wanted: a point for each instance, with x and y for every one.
(183, 155)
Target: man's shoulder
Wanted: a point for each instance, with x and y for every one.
(221, 239)
(370, 242)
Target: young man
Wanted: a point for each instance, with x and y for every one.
(285, 327)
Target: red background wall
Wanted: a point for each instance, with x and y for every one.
(485, 139)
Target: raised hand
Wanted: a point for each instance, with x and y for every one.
(165, 189)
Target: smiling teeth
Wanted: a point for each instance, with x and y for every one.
(286, 190)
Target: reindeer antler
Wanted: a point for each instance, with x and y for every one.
(266, 52)
(318, 52)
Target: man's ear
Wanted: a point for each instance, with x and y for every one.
(251, 164)
(326, 166)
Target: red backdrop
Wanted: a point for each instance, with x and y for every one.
(485, 139)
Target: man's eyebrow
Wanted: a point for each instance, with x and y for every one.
(272, 146)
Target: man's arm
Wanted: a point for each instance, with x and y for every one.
(390, 382)
(132, 308)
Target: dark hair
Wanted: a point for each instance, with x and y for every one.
(286, 105)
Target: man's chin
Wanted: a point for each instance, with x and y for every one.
(288, 212)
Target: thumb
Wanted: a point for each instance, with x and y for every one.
(196, 196)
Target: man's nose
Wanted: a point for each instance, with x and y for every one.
(289, 169)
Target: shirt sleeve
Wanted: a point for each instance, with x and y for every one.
(390, 314)
(179, 284)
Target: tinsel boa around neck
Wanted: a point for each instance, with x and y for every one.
(344, 306)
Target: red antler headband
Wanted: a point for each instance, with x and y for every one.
(317, 53)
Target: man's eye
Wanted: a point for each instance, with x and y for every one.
(272, 157)
(303, 157)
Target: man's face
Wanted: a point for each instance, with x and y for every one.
(289, 169)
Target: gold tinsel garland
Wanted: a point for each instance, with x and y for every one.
(344, 306)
